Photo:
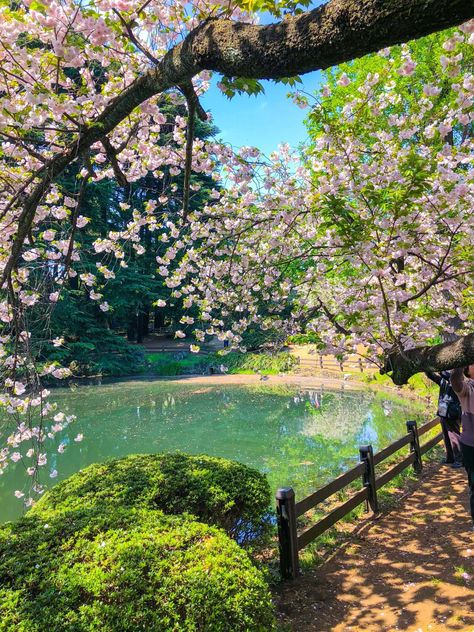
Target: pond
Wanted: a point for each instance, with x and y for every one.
(298, 436)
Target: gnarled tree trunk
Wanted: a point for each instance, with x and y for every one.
(448, 355)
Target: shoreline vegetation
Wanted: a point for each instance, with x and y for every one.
(283, 367)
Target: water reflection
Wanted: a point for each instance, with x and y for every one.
(298, 437)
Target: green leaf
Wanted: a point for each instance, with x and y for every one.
(240, 85)
(290, 81)
(37, 6)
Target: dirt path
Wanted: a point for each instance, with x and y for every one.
(411, 570)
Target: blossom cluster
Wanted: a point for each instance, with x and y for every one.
(367, 238)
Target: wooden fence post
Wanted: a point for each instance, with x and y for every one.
(412, 429)
(287, 535)
(368, 478)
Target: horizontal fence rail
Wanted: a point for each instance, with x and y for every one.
(288, 510)
(328, 490)
(331, 364)
(328, 521)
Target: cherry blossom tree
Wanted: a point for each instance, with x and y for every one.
(369, 237)
(84, 86)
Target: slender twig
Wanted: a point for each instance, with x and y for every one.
(112, 156)
(134, 38)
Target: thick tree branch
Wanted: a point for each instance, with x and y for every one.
(338, 31)
(401, 365)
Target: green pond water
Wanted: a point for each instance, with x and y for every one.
(298, 437)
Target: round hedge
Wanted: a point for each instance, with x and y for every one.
(217, 491)
(127, 570)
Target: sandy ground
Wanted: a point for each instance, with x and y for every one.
(298, 380)
(411, 569)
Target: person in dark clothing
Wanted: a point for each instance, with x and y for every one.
(449, 412)
(462, 381)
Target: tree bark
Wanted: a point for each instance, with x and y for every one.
(159, 319)
(335, 32)
(139, 339)
(448, 355)
(132, 329)
(146, 321)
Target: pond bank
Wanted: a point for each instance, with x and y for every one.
(296, 379)
(351, 383)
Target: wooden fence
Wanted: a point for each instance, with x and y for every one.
(329, 364)
(288, 510)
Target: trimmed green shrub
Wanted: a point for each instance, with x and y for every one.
(217, 491)
(126, 570)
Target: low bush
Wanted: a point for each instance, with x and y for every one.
(176, 364)
(100, 353)
(271, 364)
(125, 570)
(217, 491)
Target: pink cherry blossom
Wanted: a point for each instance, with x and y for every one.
(82, 221)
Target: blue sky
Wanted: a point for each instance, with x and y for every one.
(265, 120)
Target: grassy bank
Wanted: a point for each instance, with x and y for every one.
(165, 364)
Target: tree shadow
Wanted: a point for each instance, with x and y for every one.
(411, 568)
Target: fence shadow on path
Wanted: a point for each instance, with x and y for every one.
(411, 570)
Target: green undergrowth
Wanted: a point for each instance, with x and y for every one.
(418, 384)
(166, 364)
(119, 359)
